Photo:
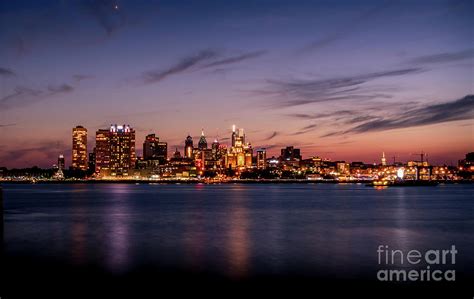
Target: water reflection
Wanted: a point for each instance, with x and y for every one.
(235, 230)
(117, 220)
(238, 244)
(194, 236)
(78, 235)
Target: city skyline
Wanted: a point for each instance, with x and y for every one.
(271, 151)
(345, 82)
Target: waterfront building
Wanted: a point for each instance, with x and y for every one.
(122, 150)
(61, 162)
(202, 144)
(102, 151)
(188, 147)
(154, 149)
(261, 158)
(79, 148)
(383, 159)
(115, 151)
(240, 153)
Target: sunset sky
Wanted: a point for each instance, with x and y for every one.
(338, 79)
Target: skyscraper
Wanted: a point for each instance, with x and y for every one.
(153, 149)
(290, 153)
(149, 146)
(188, 147)
(61, 162)
(261, 158)
(122, 150)
(79, 148)
(215, 149)
(102, 151)
(202, 145)
(240, 154)
(115, 150)
(383, 160)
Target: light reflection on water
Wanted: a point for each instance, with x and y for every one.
(235, 230)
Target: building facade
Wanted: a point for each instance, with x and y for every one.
(154, 150)
(79, 148)
(115, 151)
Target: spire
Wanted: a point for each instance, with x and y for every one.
(383, 160)
(202, 132)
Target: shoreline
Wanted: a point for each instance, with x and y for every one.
(174, 182)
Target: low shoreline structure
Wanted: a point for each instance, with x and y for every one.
(236, 181)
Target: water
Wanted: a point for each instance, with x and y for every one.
(235, 231)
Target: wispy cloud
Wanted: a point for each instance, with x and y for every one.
(235, 59)
(321, 115)
(181, 66)
(6, 125)
(346, 29)
(22, 96)
(6, 72)
(54, 89)
(294, 92)
(79, 77)
(306, 129)
(461, 109)
(443, 57)
(273, 135)
(204, 59)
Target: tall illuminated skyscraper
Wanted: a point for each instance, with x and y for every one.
(115, 150)
(202, 145)
(383, 160)
(188, 147)
(102, 151)
(122, 150)
(61, 162)
(240, 154)
(79, 148)
(215, 149)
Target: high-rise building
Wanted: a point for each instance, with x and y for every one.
(122, 150)
(202, 145)
(79, 148)
(115, 150)
(149, 146)
(383, 160)
(261, 158)
(102, 151)
(188, 147)
(215, 149)
(290, 153)
(162, 152)
(153, 149)
(176, 154)
(61, 162)
(240, 154)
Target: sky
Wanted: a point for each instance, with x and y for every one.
(343, 80)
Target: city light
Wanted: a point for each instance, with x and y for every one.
(114, 158)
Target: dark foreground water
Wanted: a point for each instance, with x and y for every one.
(230, 233)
